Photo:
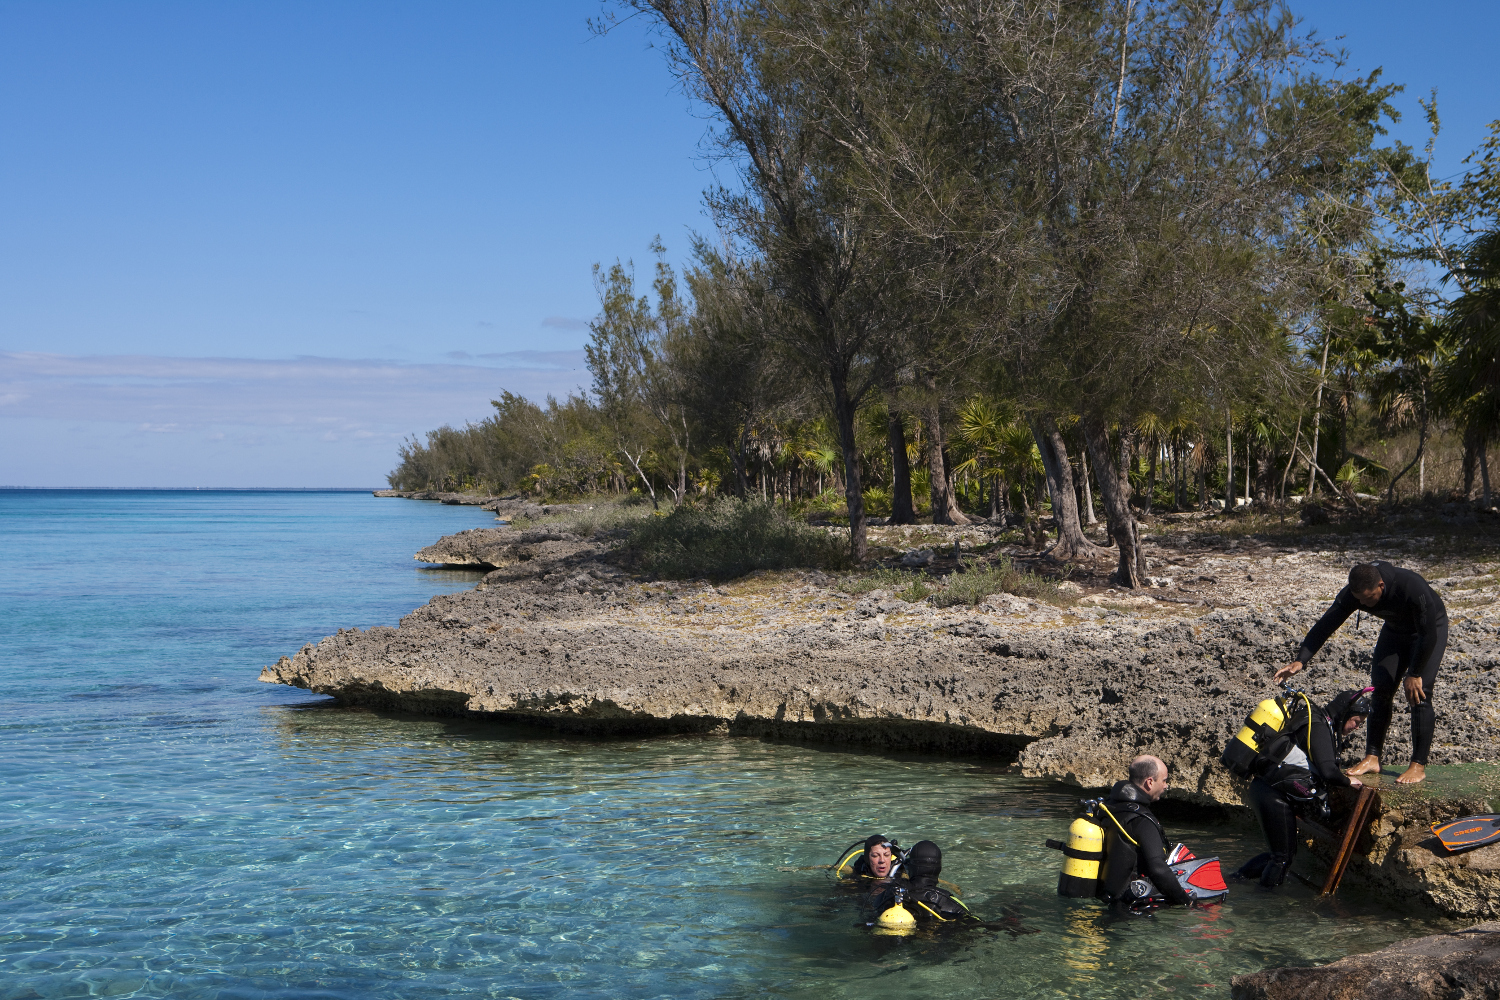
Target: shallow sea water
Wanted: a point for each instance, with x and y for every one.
(170, 827)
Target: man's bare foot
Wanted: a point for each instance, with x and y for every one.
(1414, 774)
(1370, 765)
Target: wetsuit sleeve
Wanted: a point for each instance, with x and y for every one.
(1153, 858)
(1325, 757)
(1337, 613)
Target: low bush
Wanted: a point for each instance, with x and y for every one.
(977, 583)
(724, 538)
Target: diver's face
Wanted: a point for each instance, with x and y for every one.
(1370, 598)
(880, 860)
(1353, 722)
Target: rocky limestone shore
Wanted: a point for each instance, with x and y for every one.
(558, 634)
(1463, 965)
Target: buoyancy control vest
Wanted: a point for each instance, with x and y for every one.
(1275, 745)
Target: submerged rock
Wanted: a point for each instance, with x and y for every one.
(1464, 965)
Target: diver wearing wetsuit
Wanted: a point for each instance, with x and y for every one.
(1411, 642)
(922, 895)
(879, 860)
(1295, 786)
(1137, 848)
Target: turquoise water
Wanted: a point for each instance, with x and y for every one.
(170, 827)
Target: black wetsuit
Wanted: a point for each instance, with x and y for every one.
(1411, 642)
(1276, 807)
(924, 898)
(1124, 862)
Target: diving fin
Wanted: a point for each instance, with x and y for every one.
(1468, 833)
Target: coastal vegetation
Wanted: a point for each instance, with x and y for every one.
(1007, 261)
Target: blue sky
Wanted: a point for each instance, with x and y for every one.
(257, 244)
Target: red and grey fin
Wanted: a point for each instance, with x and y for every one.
(1468, 833)
(1202, 878)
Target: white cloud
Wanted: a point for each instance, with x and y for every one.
(122, 420)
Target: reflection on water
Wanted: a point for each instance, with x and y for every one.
(169, 827)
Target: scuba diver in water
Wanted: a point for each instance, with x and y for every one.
(1135, 856)
(880, 858)
(920, 893)
(1292, 773)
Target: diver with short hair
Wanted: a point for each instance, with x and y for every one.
(921, 893)
(1136, 845)
(1297, 782)
(880, 860)
(1411, 643)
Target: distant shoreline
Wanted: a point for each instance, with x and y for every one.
(186, 489)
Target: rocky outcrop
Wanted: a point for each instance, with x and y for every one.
(1400, 857)
(491, 548)
(1464, 965)
(510, 508)
(558, 635)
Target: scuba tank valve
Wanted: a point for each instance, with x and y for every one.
(896, 920)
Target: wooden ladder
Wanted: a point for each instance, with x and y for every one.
(1356, 825)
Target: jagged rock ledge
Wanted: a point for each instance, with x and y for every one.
(1463, 965)
(558, 635)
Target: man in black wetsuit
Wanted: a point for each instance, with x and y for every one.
(1136, 848)
(1295, 783)
(921, 895)
(1411, 643)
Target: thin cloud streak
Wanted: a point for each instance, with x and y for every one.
(321, 393)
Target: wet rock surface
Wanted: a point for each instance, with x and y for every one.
(1464, 965)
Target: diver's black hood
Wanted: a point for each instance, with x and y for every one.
(875, 841)
(924, 860)
(1345, 704)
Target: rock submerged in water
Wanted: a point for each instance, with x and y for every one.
(1464, 965)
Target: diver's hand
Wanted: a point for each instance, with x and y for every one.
(1356, 783)
(1285, 673)
(1414, 693)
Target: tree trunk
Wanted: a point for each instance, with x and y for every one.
(741, 480)
(843, 413)
(902, 510)
(1471, 459)
(1072, 544)
(1088, 493)
(944, 507)
(1151, 475)
(1228, 462)
(1484, 470)
(1390, 494)
(1312, 479)
(1114, 487)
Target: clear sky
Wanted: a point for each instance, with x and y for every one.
(258, 244)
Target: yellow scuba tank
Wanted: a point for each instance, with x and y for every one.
(1262, 727)
(896, 919)
(1082, 854)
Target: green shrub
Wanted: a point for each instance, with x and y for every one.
(881, 578)
(724, 538)
(976, 584)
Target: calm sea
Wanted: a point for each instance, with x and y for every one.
(170, 827)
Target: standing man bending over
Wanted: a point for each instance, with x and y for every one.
(1411, 642)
